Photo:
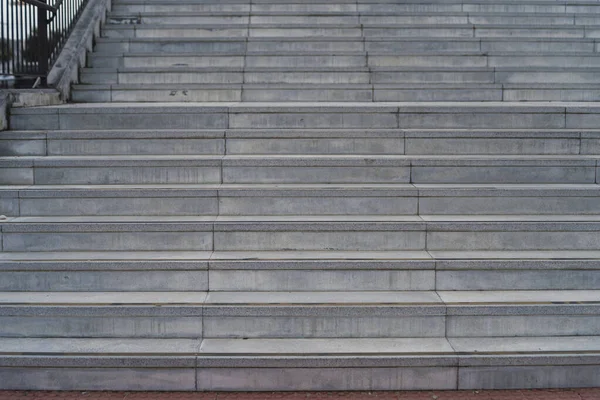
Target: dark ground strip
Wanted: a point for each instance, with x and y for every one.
(545, 394)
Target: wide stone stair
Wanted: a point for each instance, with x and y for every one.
(255, 196)
(346, 51)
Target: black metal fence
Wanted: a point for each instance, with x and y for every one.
(32, 34)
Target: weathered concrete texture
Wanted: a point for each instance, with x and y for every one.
(527, 377)
(3, 112)
(279, 195)
(232, 280)
(98, 378)
(327, 378)
(65, 70)
(319, 327)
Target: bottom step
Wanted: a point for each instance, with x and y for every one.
(299, 364)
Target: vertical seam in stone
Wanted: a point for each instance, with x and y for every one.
(426, 235)
(19, 203)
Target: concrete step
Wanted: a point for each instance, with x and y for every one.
(506, 115)
(301, 142)
(208, 30)
(350, 18)
(265, 361)
(485, 31)
(193, 93)
(147, 271)
(268, 92)
(225, 271)
(298, 271)
(485, 271)
(300, 75)
(277, 233)
(61, 170)
(98, 315)
(224, 30)
(328, 199)
(110, 46)
(239, 60)
(300, 314)
(293, 60)
(407, 270)
(157, 7)
(475, 363)
(299, 364)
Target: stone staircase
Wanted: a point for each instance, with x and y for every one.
(280, 195)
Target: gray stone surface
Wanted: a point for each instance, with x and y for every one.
(529, 325)
(113, 241)
(119, 206)
(408, 187)
(321, 280)
(98, 379)
(323, 327)
(65, 280)
(327, 378)
(105, 327)
(73, 55)
(533, 377)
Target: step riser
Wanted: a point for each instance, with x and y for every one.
(522, 325)
(325, 45)
(296, 239)
(84, 94)
(334, 280)
(297, 205)
(164, 18)
(463, 174)
(300, 280)
(155, 8)
(103, 281)
(112, 47)
(292, 76)
(313, 379)
(322, 327)
(401, 145)
(129, 326)
(464, 31)
(518, 280)
(484, 117)
(345, 322)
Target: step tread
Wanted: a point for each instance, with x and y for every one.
(301, 347)
(98, 346)
(292, 219)
(187, 190)
(116, 299)
(237, 256)
(138, 107)
(550, 255)
(515, 345)
(515, 298)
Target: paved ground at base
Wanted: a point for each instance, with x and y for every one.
(557, 394)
